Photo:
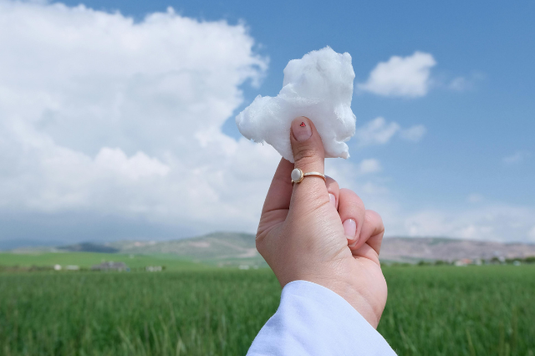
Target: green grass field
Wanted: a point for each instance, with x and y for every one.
(488, 310)
(485, 310)
(88, 259)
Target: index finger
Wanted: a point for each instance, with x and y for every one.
(372, 232)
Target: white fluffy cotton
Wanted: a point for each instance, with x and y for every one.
(318, 86)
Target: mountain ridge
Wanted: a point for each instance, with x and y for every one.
(236, 246)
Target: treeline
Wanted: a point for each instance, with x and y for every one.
(492, 261)
(17, 268)
(465, 262)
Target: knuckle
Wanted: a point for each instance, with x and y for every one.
(304, 155)
(353, 199)
(260, 245)
(372, 217)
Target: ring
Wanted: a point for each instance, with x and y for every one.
(298, 175)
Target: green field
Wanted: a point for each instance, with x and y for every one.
(485, 310)
(88, 259)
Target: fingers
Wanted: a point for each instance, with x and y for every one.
(372, 232)
(334, 191)
(351, 210)
(363, 228)
(309, 156)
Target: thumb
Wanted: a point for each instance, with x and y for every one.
(309, 156)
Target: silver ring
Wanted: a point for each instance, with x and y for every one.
(298, 175)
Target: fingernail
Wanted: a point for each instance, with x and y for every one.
(350, 228)
(332, 198)
(301, 129)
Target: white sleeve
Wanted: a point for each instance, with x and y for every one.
(313, 320)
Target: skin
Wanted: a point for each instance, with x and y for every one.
(320, 233)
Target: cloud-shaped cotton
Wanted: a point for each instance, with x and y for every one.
(318, 86)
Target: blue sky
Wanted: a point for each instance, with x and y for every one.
(477, 156)
(469, 133)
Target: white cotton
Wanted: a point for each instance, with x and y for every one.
(318, 86)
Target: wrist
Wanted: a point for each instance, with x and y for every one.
(358, 301)
(361, 299)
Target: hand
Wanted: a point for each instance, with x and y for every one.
(319, 233)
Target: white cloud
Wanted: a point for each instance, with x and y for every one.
(414, 133)
(497, 222)
(531, 234)
(379, 132)
(103, 115)
(138, 166)
(376, 132)
(482, 221)
(460, 84)
(516, 158)
(119, 121)
(370, 165)
(401, 76)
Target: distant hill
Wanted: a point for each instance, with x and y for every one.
(433, 248)
(224, 248)
(89, 247)
(215, 245)
(227, 245)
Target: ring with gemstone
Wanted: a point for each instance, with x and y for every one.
(298, 175)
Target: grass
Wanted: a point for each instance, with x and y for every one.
(88, 259)
(431, 311)
(213, 312)
(486, 310)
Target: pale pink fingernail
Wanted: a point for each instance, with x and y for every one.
(350, 228)
(332, 198)
(301, 129)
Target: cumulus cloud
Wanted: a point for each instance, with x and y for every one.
(370, 165)
(401, 76)
(136, 167)
(499, 222)
(111, 128)
(101, 115)
(379, 132)
(482, 221)
(414, 133)
(376, 132)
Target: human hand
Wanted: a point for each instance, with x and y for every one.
(319, 233)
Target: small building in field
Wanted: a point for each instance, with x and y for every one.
(463, 262)
(111, 266)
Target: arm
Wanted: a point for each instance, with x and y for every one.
(313, 231)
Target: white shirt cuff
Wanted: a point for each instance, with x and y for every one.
(313, 320)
